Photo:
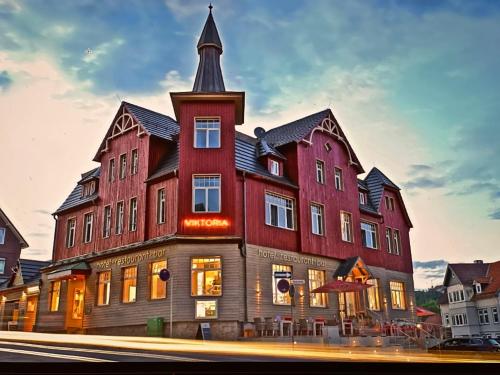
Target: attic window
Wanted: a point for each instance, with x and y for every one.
(328, 147)
(88, 189)
(275, 168)
(389, 203)
(478, 288)
(362, 198)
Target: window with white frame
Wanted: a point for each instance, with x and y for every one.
(339, 180)
(2, 236)
(123, 166)
(2, 266)
(134, 164)
(478, 288)
(207, 133)
(398, 299)
(70, 232)
(111, 170)
(316, 279)
(494, 314)
(484, 317)
(206, 193)
(206, 309)
(132, 218)
(160, 206)
(459, 319)
(103, 288)
(320, 171)
(362, 198)
(317, 219)
(369, 235)
(373, 294)
(397, 242)
(206, 276)
(120, 210)
(346, 224)
(275, 168)
(389, 203)
(87, 227)
(279, 211)
(456, 296)
(388, 239)
(106, 222)
(278, 297)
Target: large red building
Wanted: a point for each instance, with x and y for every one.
(223, 211)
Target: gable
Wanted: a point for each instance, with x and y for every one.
(10, 227)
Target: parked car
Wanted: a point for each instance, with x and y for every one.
(468, 344)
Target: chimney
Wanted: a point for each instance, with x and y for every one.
(478, 261)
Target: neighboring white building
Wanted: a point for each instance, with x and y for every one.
(471, 304)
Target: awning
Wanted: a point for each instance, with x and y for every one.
(423, 312)
(341, 286)
(81, 268)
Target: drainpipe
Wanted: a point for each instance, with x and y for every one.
(244, 245)
(54, 216)
(177, 199)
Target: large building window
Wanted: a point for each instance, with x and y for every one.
(111, 170)
(120, 209)
(2, 236)
(2, 266)
(373, 294)
(456, 296)
(316, 279)
(459, 319)
(484, 317)
(132, 218)
(158, 287)
(54, 293)
(494, 314)
(397, 242)
(339, 179)
(103, 288)
(320, 171)
(369, 235)
(206, 309)
(206, 194)
(160, 206)
(123, 166)
(317, 219)
(207, 133)
(346, 226)
(398, 299)
(389, 203)
(134, 163)
(279, 211)
(278, 297)
(88, 220)
(206, 276)
(129, 291)
(106, 222)
(70, 232)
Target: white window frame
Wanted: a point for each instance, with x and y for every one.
(89, 226)
(343, 227)
(134, 161)
(396, 248)
(122, 171)
(275, 168)
(362, 198)
(3, 262)
(398, 303)
(389, 203)
(446, 320)
(279, 206)
(320, 171)
(106, 221)
(494, 315)
(388, 239)
(132, 216)
(459, 319)
(339, 178)
(477, 287)
(374, 292)
(120, 217)
(484, 316)
(207, 120)
(375, 247)
(160, 206)
(73, 232)
(111, 170)
(198, 302)
(317, 218)
(206, 188)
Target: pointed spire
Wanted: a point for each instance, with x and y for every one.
(209, 74)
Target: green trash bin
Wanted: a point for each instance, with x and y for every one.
(155, 327)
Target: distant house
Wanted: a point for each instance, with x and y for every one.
(11, 244)
(471, 305)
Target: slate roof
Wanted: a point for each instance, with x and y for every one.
(375, 181)
(493, 286)
(14, 230)
(467, 272)
(157, 124)
(168, 163)
(30, 269)
(75, 198)
(264, 149)
(90, 175)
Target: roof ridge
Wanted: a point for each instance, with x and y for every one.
(299, 119)
(149, 110)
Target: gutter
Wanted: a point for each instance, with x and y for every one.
(244, 245)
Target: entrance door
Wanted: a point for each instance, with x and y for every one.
(30, 314)
(75, 302)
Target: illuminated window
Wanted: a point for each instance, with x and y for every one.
(2, 266)
(129, 292)
(346, 224)
(206, 309)
(207, 133)
(70, 232)
(369, 235)
(206, 276)
(275, 168)
(320, 171)
(132, 222)
(160, 206)
(279, 211)
(103, 288)
(119, 217)
(397, 242)
(206, 194)
(111, 170)
(317, 219)
(134, 166)
(316, 279)
(278, 297)
(123, 166)
(158, 288)
(373, 295)
(339, 181)
(87, 227)
(106, 223)
(388, 239)
(55, 291)
(398, 299)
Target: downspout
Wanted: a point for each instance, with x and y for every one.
(244, 245)
(177, 201)
(54, 241)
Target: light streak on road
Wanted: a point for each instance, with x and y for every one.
(62, 357)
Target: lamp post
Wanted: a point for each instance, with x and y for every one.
(166, 275)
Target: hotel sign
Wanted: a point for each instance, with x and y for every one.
(206, 223)
(275, 255)
(129, 259)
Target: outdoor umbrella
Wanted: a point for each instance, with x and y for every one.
(423, 312)
(340, 286)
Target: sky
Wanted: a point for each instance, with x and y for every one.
(414, 85)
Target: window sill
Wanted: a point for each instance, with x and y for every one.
(345, 241)
(276, 227)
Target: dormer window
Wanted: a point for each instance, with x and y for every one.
(207, 133)
(478, 288)
(362, 198)
(88, 189)
(275, 168)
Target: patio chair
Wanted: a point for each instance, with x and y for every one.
(271, 326)
(259, 326)
(305, 326)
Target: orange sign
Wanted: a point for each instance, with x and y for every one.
(206, 223)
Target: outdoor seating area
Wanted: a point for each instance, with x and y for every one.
(285, 326)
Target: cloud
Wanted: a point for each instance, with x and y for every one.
(430, 264)
(42, 211)
(38, 234)
(5, 80)
(425, 183)
(426, 272)
(495, 215)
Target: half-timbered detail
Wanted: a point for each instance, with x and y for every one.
(223, 211)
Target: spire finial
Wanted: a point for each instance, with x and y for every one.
(210, 7)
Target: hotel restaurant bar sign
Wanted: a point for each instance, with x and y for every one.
(276, 255)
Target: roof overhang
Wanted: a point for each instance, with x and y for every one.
(81, 268)
(236, 97)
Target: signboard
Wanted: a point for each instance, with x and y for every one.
(206, 223)
(164, 274)
(282, 275)
(298, 282)
(206, 333)
(283, 286)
